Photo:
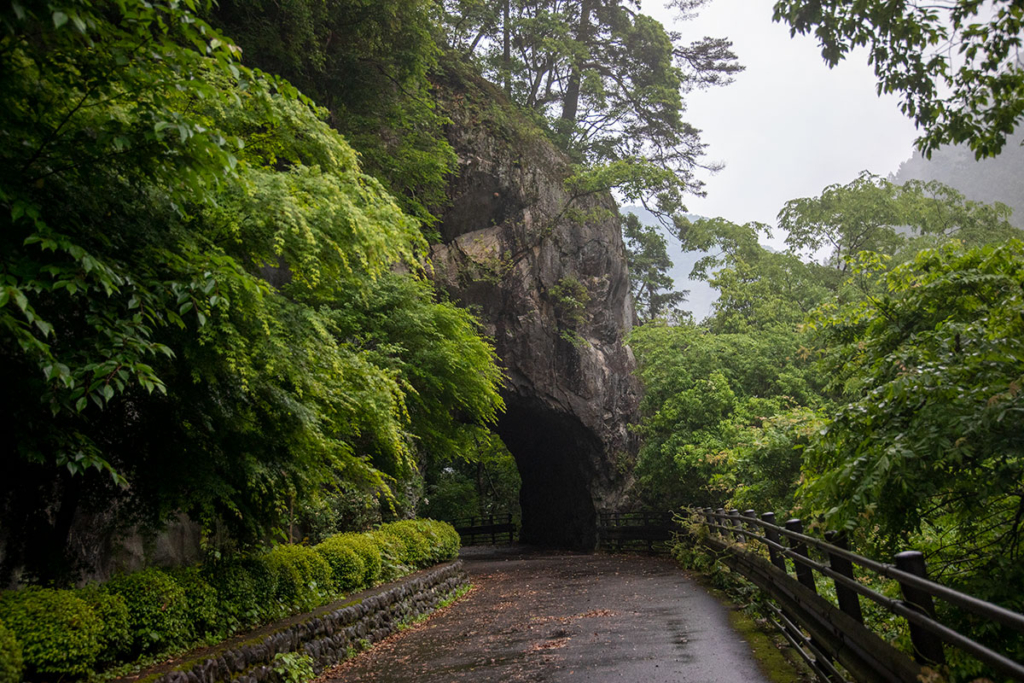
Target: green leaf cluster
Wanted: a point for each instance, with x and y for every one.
(370, 64)
(956, 65)
(199, 293)
(11, 662)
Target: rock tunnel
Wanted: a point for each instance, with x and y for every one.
(555, 456)
(513, 241)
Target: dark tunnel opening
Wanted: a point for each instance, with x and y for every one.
(553, 452)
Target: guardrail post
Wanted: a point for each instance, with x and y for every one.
(849, 601)
(738, 526)
(708, 518)
(750, 514)
(927, 647)
(804, 574)
(722, 522)
(772, 534)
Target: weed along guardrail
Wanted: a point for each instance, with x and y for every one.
(489, 529)
(824, 633)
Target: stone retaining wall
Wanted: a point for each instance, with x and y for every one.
(326, 636)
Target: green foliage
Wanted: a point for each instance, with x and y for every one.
(116, 636)
(366, 549)
(158, 610)
(11, 662)
(413, 547)
(369, 64)
(58, 632)
(293, 667)
(608, 79)
(449, 371)
(191, 257)
(708, 397)
(246, 590)
(303, 577)
(348, 571)
(649, 263)
(392, 554)
(874, 214)
(483, 481)
(570, 298)
(201, 601)
(932, 370)
(956, 65)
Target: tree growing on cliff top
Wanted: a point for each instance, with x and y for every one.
(609, 80)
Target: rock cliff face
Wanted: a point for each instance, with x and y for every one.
(546, 274)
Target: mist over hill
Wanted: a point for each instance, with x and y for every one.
(701, 294)
(991, 180)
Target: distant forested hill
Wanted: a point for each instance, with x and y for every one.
(993, 180)
(701, 294)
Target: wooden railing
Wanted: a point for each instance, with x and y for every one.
(621, 530)
(489, 529)
(825, 634)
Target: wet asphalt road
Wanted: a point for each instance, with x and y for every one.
(541, 616)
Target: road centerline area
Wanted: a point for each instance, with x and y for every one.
(551, 616)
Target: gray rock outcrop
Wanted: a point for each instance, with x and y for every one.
(546, 274)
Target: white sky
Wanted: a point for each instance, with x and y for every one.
(788, 126)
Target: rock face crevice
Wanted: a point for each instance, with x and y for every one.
(546, 274)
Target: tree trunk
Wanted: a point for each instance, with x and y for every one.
(571, 103)
(506, 64)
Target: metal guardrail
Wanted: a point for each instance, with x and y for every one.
(621, 530)
(489, 529)
(839, 634)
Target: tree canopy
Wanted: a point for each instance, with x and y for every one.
(608, 79)
(199, 309)
(956, 64)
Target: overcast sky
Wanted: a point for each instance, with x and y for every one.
(788, 126)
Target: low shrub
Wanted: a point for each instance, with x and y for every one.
(157, 610)
(303, 576)
(416, 547)
(11, 664)
(237, 604)
(369, 552)
(347, 568)
(59, 633)
(116, 635)
(264, 587)
(200, 601)
(392, 554)
(443, 539)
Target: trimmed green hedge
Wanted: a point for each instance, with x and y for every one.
(47, 633)
(348, 571)
(59, 633)
(158, 610)
(303, 576)
(116, 634)
(11, 664)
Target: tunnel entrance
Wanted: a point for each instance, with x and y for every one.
(554, 454)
